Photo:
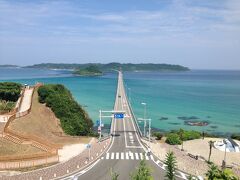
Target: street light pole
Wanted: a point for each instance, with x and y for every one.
(144, 117)
(100, 124)
(149, 128)
(149, 131)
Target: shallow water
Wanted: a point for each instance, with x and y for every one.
(172, 98)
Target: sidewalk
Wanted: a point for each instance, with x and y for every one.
(184, 162)
(27, 98)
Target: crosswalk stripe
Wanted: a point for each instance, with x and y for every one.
(146, 156)
(132, 156)
(136, 154)
(112, 155)
(127, 157)
(122, 155)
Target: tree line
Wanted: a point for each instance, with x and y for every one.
(74, 119)
(10, 91)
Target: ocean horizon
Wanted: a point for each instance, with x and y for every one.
(173, 98)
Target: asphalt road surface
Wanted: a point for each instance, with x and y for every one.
(126, 150)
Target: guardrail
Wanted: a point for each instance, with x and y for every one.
(134, 117)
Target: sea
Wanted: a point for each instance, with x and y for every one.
(173, 99)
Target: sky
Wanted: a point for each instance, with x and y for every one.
(200, 34)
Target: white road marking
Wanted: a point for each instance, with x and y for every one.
(127, 157)
(132, 156)
(134, 147)
(122, 155)
(183, 175)
(107, 157)
(136, 155)
(112, 155)
(164, 166)
(151, 157)
(146, 157)
(117, 155)
(78, 174)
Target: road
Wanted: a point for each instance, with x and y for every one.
(126, 150)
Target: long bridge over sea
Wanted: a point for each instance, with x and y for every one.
(121, 153)
(126, 149)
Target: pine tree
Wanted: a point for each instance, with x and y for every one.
(213, 172)
(143, 172)
(171, 163)
(114, 175)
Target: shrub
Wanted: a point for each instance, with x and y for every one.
(74, 120)
(190, 135)
(158, 135)
(235, 136)
(10, 91)
(173, 139)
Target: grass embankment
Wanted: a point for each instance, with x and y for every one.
(42, 122)
(74, 120)
(8, 148)
(9, 94)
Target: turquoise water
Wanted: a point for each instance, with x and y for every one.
(212, 96)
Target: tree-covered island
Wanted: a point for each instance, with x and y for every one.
(98, 68)
(91, 70)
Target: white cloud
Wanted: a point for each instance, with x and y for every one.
(178, 25)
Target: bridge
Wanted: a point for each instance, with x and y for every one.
(126, 149)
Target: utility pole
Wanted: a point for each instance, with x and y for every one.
(149, 131)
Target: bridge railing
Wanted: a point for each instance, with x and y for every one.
(133, 115)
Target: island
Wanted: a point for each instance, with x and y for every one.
(8, 66)
(91, 70)
(130, 67)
